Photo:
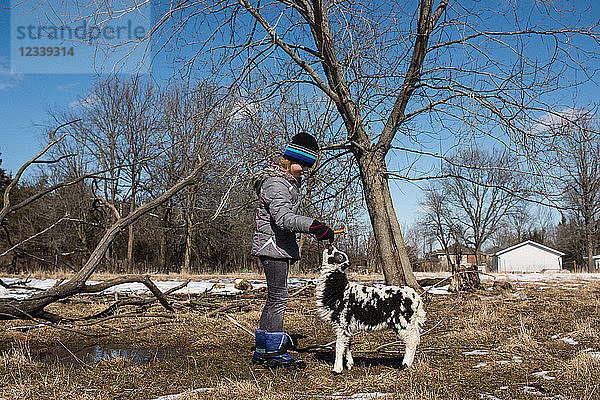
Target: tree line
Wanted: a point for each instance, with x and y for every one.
(486, 201)
(134, 141)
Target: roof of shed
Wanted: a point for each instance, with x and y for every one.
(532, 243)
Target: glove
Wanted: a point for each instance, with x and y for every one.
(321, 231)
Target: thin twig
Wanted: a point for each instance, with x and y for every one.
(302, 289)
(34, 236)
(70, 352)
(176, 288)
(242, 327)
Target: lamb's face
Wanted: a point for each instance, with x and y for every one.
(334, 259)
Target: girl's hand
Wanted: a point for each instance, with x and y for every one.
(321, 231)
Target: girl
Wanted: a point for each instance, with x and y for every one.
(278, 226)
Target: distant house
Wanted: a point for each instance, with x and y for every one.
(527, 256)
(463, 254)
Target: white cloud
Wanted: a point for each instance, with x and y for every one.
(85, 102)
(555, 119)
(8, 78)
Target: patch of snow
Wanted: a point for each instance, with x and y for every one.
(26, 328)
(366, 396)
(476, 353)
(479, 365)
(569, 340)
(438, 290)
(515, 359)
(503, 388)
(570, 281)
(178, 395)
(488, 396)
(533, 391)
(566, 339)
(544, 375)
(223, 286)
(359, 396)
(592, 352)
(24, 292)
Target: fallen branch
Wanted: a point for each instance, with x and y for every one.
(19, 285)
(34, 305)
(112, 309)
(195, 303)
(176, 288)
(144, 279)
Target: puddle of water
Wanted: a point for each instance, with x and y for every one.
(97, 352)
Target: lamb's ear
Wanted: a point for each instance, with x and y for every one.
(339, 258)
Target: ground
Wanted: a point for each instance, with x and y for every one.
(538, 340)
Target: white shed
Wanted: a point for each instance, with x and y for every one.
(527, 256)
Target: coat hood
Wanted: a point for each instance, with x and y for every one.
(268, 171)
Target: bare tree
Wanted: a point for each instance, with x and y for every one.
(576, 155)
(438, 222)
(195, 123)
(388, 67)
(398, 75)
(117, 133)
(483, 193)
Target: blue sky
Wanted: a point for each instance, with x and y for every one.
(26, 98)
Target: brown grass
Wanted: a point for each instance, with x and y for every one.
(213, 355)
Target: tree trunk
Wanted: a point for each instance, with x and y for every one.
(189, 232)
(162, 253)
(403, 259)
(394, 258)
(589, 239)
(130, 238)
(466, 279)
(130, 249)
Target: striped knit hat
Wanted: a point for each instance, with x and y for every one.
(303, 149)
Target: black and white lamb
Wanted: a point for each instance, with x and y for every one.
(349, 306)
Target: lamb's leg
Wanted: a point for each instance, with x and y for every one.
(349, 359)
(341, 349)
(411, 338)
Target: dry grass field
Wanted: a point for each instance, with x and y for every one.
(535, 341)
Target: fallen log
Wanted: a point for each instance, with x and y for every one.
(33, 307)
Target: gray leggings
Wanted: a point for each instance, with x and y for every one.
(276, 272)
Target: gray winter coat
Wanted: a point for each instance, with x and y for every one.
(278, 219)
